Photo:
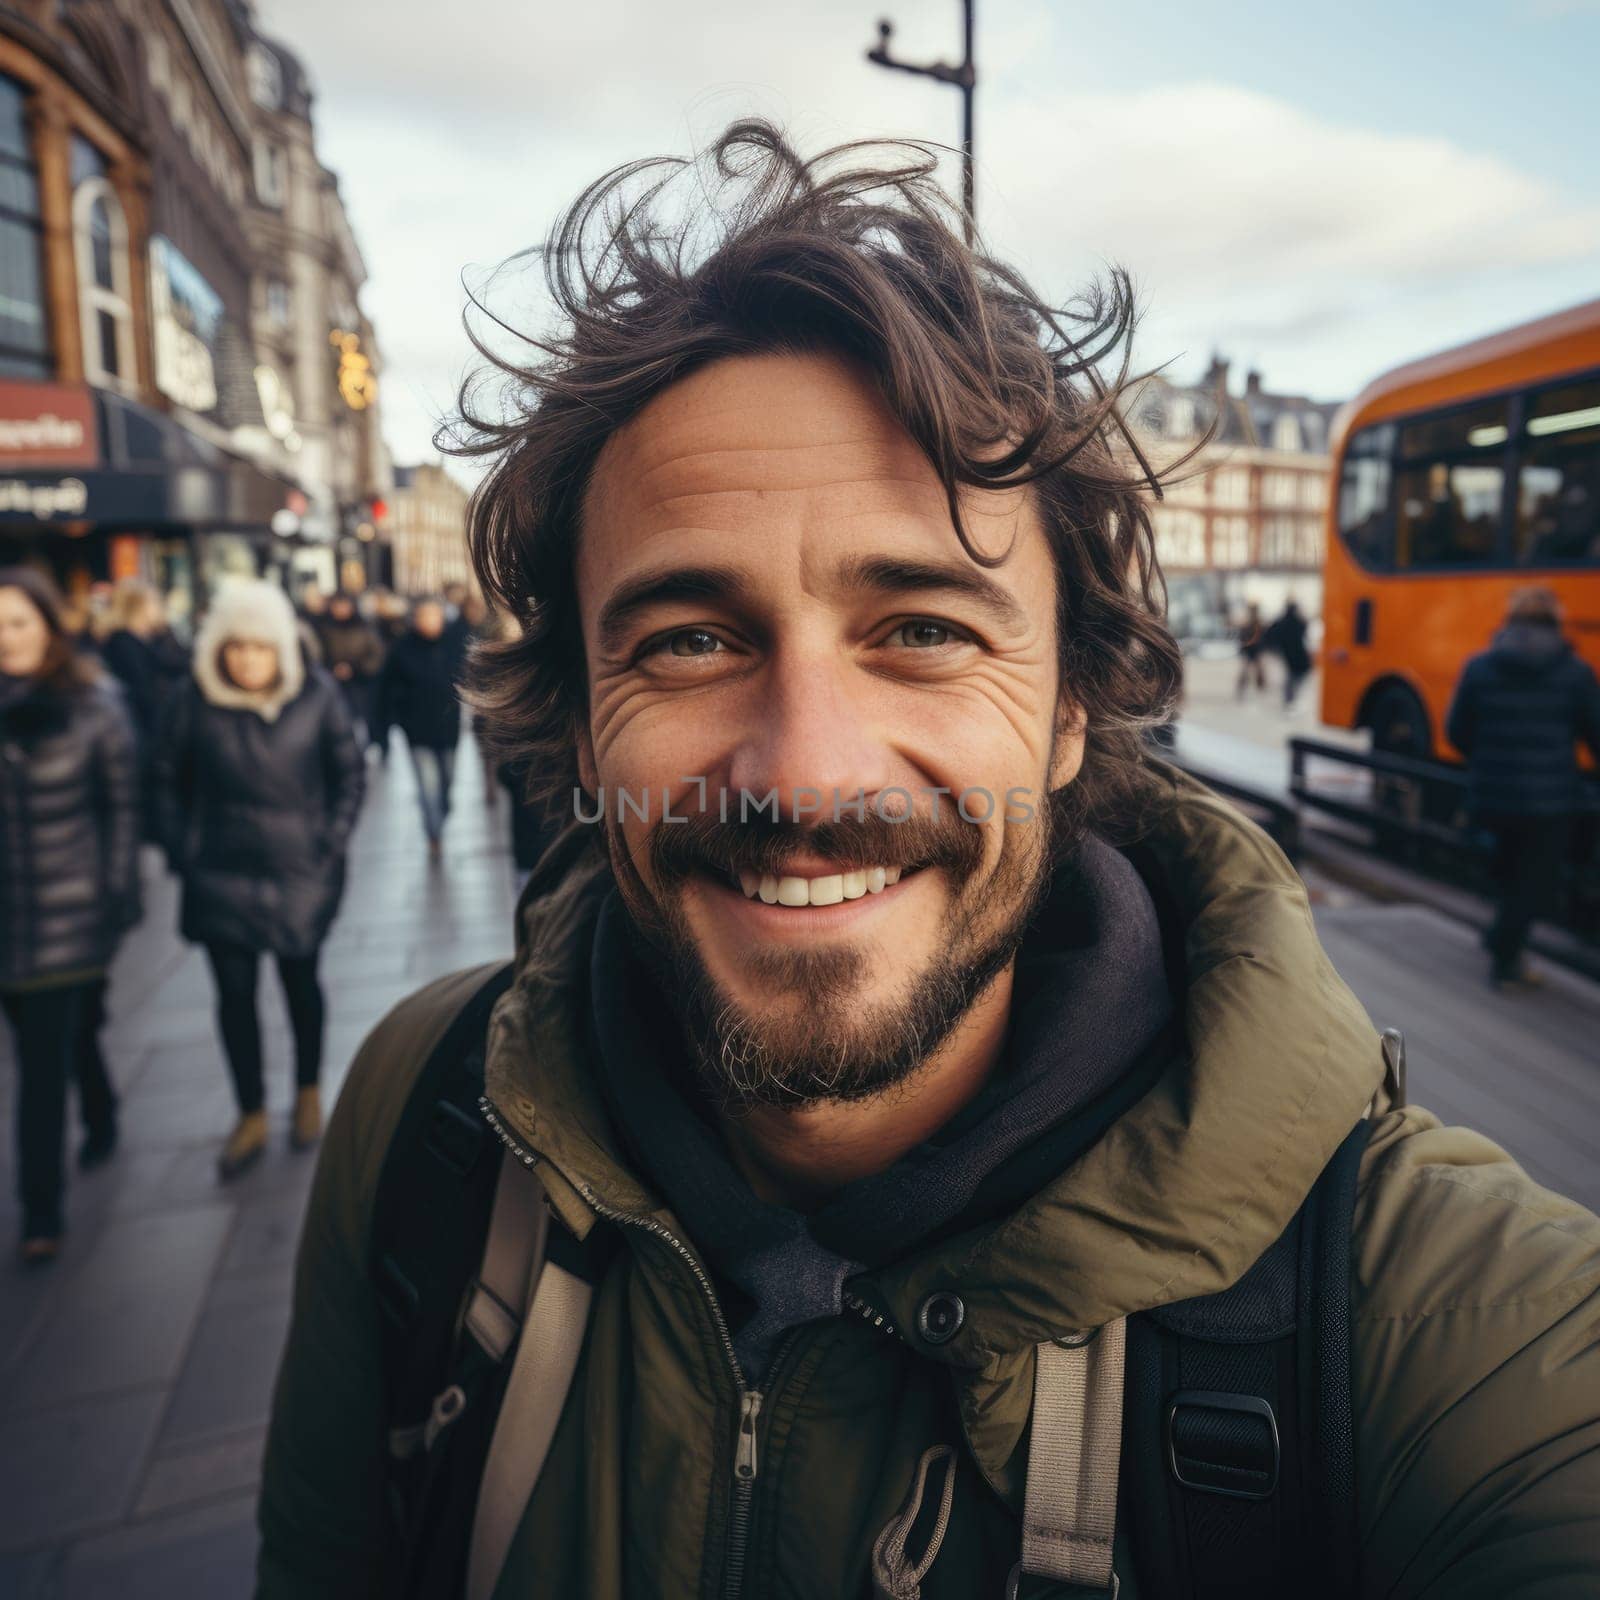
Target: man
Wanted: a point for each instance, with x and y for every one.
(419, 694)
(1517, 715)
(353, 653)
(875, 1110)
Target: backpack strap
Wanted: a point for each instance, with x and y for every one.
(548, 1344)
(1238, 1428)
(1069, 1513)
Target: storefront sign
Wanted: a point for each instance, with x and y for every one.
(66, 498)
(186, 313)
(46, 425)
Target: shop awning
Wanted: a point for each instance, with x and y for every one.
(150, 472)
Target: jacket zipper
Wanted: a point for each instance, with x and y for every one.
(745, 1459)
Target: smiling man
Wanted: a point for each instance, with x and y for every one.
(947, 1163)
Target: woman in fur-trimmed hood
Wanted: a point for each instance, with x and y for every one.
(258, 784)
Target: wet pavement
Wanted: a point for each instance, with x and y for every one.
(136, 1375)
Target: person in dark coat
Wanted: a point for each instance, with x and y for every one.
(1517, 715)
(421, 699)
(69, 888)
(143, 655)
(259, 783)
(353, 653)
(150, 664)
(1287, 638)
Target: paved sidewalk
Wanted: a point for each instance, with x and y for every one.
(135, 1375)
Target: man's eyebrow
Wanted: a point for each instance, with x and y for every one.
(891, 575)
(660, 587)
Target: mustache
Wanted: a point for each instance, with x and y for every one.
(703, 843)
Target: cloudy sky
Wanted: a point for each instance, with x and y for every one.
(1316, 191)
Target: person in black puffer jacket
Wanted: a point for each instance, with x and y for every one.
(420, 697)
(259, 781)
(1518, 712)
(69, 890)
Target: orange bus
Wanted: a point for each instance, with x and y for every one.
(1456, 480)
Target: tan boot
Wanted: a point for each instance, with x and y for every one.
(244, 1146)
(307, 1126)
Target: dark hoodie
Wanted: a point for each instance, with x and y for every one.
(1518, 712)
(1090, 1014)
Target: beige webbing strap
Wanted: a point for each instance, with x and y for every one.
(512, 1250)
(541, 1374)
(1069, 1516)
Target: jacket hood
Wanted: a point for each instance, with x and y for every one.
(1529, 647)
(259, 612)
(1179, 1197)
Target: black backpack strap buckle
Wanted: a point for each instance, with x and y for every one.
(1223, 1444)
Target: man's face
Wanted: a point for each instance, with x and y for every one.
(340, 608)
(428, 620)
(773, 598)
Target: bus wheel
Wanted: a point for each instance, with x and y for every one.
(1399, 724)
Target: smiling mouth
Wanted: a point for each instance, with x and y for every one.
(827, 890)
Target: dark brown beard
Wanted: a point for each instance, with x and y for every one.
(818, 1050)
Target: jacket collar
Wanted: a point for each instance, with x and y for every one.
(1178, 1198)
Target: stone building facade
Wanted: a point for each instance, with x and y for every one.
(427, 529)
(1246, 521)
(155, 420)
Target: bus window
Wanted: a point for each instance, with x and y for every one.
(1449, 515)
(1364, 495)
(1451, 486)
(1558, 487)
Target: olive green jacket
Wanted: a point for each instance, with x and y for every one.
(1476, 1298)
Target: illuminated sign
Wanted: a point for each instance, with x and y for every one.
(358, 383)
(186, 312)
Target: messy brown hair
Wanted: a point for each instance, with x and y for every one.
(664, 266)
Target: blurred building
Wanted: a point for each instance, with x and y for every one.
(141, 428)
(427, 528)
(317, 359)
(1245, 523)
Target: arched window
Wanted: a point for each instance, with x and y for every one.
(105, 300)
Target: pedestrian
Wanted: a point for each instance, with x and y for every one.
(421, 698)
(1252, 636)
(259, 782)
(392, 617)
(1517, 715)
(69, 887)
(943, 1183)
(1287, 638)
(353, 653)
(144, 655)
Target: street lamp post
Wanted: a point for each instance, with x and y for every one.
(965, 78)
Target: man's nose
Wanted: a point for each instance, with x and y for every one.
(810, 738)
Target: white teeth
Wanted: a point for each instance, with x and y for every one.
(827, 890)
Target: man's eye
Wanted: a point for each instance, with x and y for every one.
(923, 634)
(693, 642)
